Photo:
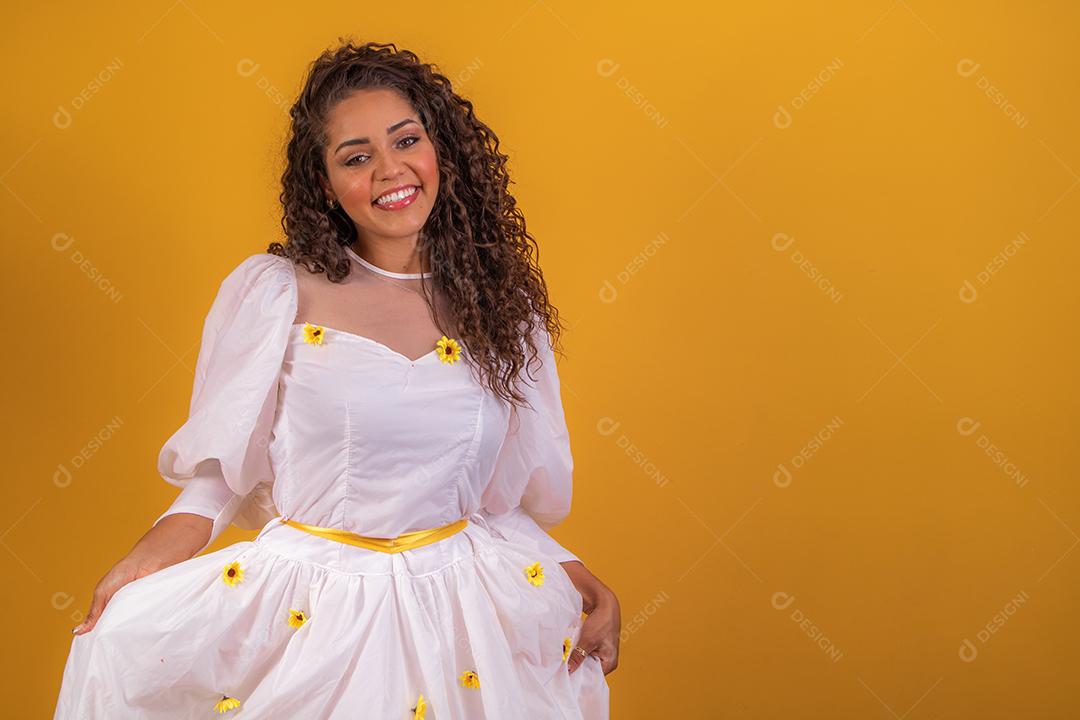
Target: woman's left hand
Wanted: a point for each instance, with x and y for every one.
(600, 632)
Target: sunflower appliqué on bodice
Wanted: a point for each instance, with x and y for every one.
(225, 704)
(535, 574)
(313, 334)
(449, 349)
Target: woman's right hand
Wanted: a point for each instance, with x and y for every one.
(128, 569)
(173, 539)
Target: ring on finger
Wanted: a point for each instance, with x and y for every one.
(581, 650)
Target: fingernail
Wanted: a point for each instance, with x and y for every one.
(75, 629)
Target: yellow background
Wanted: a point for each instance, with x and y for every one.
(812, 463)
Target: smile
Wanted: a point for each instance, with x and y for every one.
(398, 199)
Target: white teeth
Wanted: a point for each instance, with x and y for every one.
(394, 197)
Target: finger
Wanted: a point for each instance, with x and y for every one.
(607, 653)
(587, 639)
(608, 660)
(607, 650)
(574, 661)
(101, 599)
(97, 606)
(576, 658)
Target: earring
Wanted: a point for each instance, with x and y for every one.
(330, 204)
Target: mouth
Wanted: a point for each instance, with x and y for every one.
(397, 198)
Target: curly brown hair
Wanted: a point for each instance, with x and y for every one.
(480, 253)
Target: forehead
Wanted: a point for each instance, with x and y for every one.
(367, 113)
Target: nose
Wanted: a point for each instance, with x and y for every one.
(389, 167)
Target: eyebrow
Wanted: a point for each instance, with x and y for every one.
(366, 141)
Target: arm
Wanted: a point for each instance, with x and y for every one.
(208, 497)
(594, 593)
(171, 540)
(600, 633)
(218, 457)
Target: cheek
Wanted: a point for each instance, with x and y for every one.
(354, 191)
(428, 169)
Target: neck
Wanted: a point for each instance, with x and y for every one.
(395, 255)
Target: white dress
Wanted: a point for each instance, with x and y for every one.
(348, 434)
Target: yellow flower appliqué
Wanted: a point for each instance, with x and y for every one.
(297, 618)
(232, 574)
(225, 704)
(449, 350)
(313, 334)
(470, 679)
(535, 574)
(567, 644)
(421, 708)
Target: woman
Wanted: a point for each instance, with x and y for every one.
(367, 394)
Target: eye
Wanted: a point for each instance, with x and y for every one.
(414, 138)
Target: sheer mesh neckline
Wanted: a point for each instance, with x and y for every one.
(382, 306)
(381, 271)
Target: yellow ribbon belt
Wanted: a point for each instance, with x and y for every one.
(408, 541)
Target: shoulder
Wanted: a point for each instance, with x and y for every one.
(262, 282)
(264, 264)
(261, 270)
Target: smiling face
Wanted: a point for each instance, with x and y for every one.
(378, 149)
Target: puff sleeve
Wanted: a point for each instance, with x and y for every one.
(531, 486)
(220, 456)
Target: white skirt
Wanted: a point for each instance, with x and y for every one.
(305, 627)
